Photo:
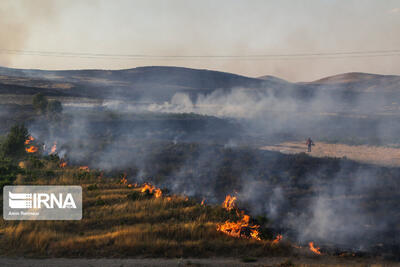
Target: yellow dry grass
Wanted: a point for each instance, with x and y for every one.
(115, 225)
(380, 155)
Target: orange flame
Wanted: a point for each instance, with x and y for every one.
(158, 193)
(150, 188)
(53, 148)
(31, 149)
(314, 249)
(147, 187)
(124, 180)
(84, 168)
(202, 202)
(277, 239)
(29, 140)
(241, 228)
(63, 164)
(229, 203)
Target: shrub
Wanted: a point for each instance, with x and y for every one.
(40, 103)
(14, 144)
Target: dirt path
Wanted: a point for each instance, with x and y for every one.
(386, 156)
(326, 261)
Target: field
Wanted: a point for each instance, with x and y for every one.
(131, 228)
(120, 220)
(135, 226)
(343, 196)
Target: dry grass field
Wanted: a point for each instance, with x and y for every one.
(125, 225)
(380, 155)
(122, 221)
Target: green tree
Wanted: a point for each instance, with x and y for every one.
(8, 172)
(40, 103)
(14, 144)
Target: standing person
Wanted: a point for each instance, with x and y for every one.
(309, 143)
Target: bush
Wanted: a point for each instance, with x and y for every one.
(40, 103)
(14, 145)
(44, 106)
(35, 162)
(8, 172)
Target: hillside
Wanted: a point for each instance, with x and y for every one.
(160, 84)
(127, 220)
(352, 77)
(143, 83)
(360, 82)
(272, 79)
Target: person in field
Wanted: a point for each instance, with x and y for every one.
(309, 143)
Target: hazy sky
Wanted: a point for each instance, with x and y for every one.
(205, 28)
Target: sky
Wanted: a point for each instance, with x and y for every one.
(220, 32)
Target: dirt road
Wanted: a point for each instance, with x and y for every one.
(386, 156)
(326, 261)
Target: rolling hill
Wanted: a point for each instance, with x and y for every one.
(145, 83)
(352, 93)
(360, 82)
(158, 83)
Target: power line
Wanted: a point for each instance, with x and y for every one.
(293, 56)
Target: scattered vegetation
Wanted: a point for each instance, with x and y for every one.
(119, 219)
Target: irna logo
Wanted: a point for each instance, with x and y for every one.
(42, 202)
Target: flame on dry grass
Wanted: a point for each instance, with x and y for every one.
(241, 228)
(277, 239)
(31, 149)
(314, 249)
(29, 140)
(152, 190)
(84, 168)
(53, 148)
(124, 180)
(229, 202)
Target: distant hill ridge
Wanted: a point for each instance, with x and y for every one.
(153, 82)
(160, 83)
(354, 77)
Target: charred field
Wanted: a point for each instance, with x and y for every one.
(198, 147)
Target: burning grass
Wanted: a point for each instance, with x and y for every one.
(31, 149)
(127, 221)
(314, 248)
(241, 228)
